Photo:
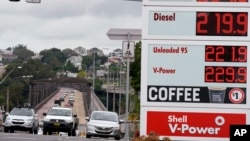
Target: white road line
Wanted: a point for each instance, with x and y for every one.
(19, 138)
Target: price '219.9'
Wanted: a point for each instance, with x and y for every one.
(221, 23)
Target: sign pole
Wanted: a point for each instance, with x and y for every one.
(127, 93)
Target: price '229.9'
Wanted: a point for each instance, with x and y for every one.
(222, 0)
(221, 23)
(225, 74)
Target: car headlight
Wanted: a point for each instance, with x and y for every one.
(8, 119)
(68, 121)
(116, 127)
(90, 125)
(46, 119)
(30, 120)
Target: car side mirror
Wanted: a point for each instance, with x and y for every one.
(87, 118)
(35, 115)
(121, 121)
(44, 114)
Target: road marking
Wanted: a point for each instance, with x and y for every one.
(19, 138)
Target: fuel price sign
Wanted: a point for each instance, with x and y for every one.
(208, 73)
(197, 24)
(216, 3)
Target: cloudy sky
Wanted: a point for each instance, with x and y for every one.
(66, 23)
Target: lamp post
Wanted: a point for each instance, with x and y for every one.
(7, 97)
(107, 87)
(8, 93)
(19, 67)
(93, 74)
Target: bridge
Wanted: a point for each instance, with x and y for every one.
(43, 90)
(43, 93)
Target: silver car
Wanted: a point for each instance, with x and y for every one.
(103, 124)
(21, 118)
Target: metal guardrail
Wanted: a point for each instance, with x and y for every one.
(96, 104)
(45, 100)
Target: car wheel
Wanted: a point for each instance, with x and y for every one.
(88, 136)
(117, 138)
(50, 132)
(35, 131)
(69, 132)
(5, 129)
(31, 131)
(45, 131)
(11, 130)
(73, 132)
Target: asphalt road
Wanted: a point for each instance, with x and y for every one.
(28, 137)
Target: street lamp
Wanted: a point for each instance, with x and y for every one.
(94, 73)
(107, 87)
(19, 67)
(8, 93)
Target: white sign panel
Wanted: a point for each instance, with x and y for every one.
(206, 74)
(128, 49)
(33, 1)
(198, 23)
(192, 124)
(212, 3)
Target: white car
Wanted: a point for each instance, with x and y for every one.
(103, 124)
(60, 119)
(21, 118)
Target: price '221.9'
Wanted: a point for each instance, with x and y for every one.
(222, 0)
(221, 53)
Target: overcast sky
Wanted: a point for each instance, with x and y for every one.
(66, 23)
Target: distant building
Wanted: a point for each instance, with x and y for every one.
(7, 55)
(36, 56)
(116, 53)
(95, 50)
(2, 70)
(80, 51)
(115, 56)
(75, 60)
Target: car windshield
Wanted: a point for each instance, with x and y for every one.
(106, 116)
(59, 112)
(21, 112)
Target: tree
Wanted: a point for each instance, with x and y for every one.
(38, 69)
(82, 74)
(135, 70)
(70, 67)
(98, 84)
(22, 52)
(135, 74)
(87, 60)
(54, 57)
(68, 52)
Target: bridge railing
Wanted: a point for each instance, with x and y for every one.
(96, 104)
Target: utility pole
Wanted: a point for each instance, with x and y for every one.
(94, 72)
(7, 99)
(114, 99)
(107, 90)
